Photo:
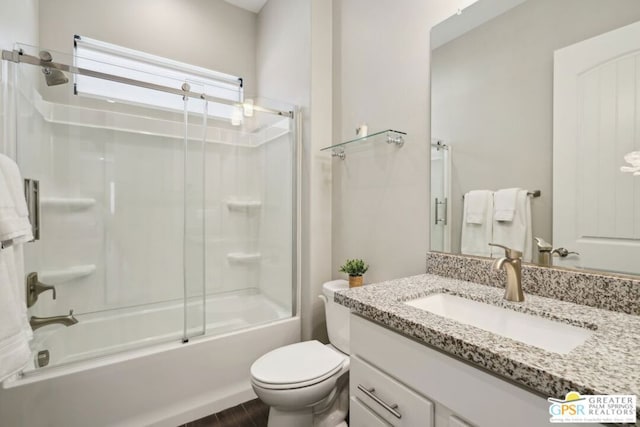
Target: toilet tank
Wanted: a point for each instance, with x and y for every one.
(337, 316)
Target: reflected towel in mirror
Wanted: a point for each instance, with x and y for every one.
(516, 234)
(504, 204)
(477, 224)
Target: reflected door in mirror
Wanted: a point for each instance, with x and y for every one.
(596, 122)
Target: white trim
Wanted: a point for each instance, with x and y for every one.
(124, 62)
(97, 45)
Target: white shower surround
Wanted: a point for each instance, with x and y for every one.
(166, 383)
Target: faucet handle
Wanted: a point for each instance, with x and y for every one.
(543, 245)
(508, 252)
(35, 288)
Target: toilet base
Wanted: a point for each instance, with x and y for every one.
(331, 412)
(278, 418)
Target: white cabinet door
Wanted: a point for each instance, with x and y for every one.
(389, 399)
(596, 114)
(361, 416)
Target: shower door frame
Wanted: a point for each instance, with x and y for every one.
(18, 56)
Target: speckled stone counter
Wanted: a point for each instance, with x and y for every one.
(607, 363)
(600, 290)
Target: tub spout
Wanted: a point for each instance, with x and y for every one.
(38, 322)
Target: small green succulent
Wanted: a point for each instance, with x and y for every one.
(354, 267)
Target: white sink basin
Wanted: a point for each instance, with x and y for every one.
(529, 329)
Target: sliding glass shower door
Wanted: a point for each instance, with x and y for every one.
(163, 215)
(121, 202)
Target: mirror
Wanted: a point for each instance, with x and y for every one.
(498, 122)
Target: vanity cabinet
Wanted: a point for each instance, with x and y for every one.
(391, 400)
(361, 416)
(429, 387)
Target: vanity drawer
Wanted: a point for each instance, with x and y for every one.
(361, 416)
(389, 399)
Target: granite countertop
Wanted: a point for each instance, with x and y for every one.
(607, 363)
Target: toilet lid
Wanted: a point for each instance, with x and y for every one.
(297, 363)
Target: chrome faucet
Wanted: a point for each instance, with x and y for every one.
(512, 263)
(38, 322)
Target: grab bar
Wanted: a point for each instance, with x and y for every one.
(32, 196)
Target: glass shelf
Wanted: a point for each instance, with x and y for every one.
(392, 137)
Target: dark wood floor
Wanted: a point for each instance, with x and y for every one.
(249, 414)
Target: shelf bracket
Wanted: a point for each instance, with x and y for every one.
(395, 138)
(339, 153)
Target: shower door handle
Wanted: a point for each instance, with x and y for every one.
(32, 197)
(437, 207)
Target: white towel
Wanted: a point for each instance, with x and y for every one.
(15, 331)
(476, 206)
(504, 204)
(14, 216)
(476, 234)
(516, 234)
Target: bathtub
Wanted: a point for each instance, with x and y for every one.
(135, 377)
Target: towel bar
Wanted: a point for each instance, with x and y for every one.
(534, 193)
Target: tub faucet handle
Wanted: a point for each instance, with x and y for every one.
(35, 288)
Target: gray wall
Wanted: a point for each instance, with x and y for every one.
(208, 33)
(381, 76)
(492, 97)
(284, 63)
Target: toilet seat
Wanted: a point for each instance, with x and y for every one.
(297, 365)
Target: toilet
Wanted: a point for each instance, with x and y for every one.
(307, 383)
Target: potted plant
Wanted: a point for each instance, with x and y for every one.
(355, 268)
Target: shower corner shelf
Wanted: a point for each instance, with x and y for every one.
(56, 277)
(392, 137)
(68, 202)
(243, 206)
(244, 258)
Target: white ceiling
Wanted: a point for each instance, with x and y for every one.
(250, 5)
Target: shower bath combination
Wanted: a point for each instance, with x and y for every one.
(159, 226)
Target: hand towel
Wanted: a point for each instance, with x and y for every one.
(504, 204)
(476, 235)
(14, 216)
(475, 203)
(516, 234)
